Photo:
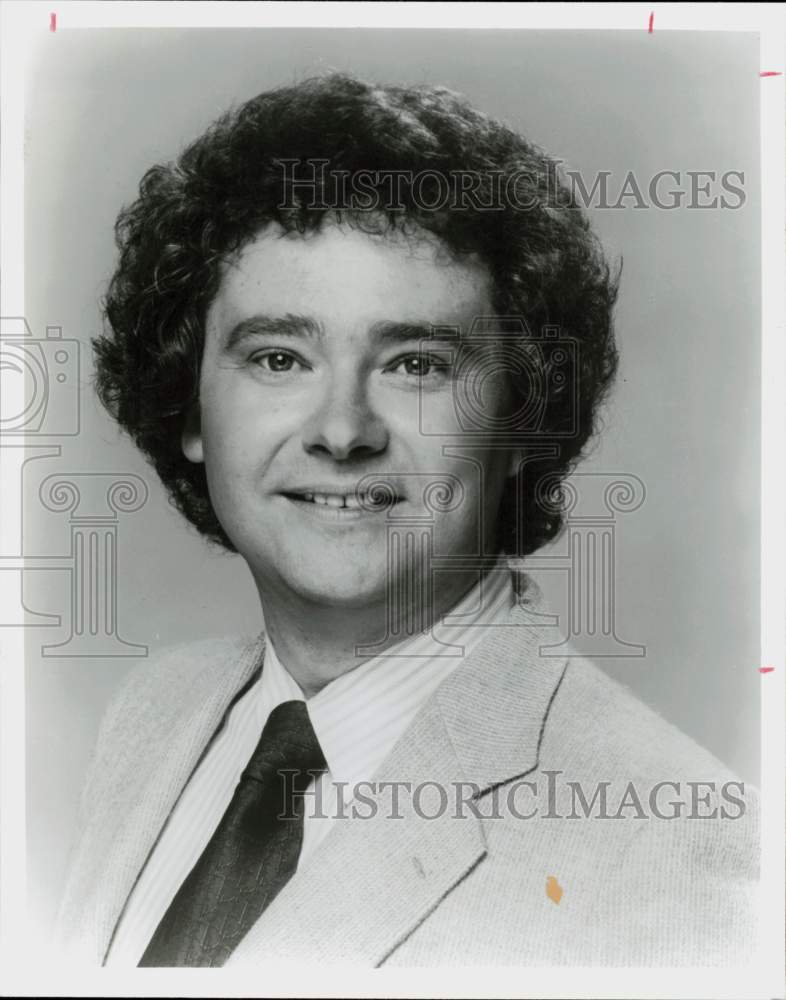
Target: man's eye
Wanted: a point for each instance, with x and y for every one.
(276, 361)
(421, 365)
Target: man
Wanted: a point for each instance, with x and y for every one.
(350, 379)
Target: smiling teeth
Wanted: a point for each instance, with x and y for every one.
(337, 500)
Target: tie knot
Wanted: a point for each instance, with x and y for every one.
(288, 743)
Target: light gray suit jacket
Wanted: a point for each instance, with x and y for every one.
(459, 889)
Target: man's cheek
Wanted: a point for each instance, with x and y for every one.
(457, 532)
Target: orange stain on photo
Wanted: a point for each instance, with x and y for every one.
(553, 889)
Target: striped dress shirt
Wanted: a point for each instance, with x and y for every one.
(357, 719)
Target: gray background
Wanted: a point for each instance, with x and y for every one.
(105, 105)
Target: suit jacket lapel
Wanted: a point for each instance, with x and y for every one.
(496, 704)
(372, 881)
(151, 789)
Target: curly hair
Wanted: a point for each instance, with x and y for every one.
(546, 265)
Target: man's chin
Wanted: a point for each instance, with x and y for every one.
(339, 591)
(327, 580)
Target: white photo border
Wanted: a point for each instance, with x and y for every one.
(25, 971)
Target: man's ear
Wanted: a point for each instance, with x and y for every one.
(191, 438)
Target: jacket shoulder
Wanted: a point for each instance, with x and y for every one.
(151, 698)
(599, 721)
(180, 663)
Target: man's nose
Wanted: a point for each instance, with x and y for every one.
(343, 424)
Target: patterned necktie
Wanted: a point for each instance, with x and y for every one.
(253, 852)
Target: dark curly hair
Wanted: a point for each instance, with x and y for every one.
(547, 267)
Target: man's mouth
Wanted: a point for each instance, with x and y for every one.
(351, 501)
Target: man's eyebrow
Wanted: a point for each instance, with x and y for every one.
(291, 325)
(396, 332)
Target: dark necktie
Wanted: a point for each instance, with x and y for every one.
(253, 852)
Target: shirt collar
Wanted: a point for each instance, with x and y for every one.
(359, 716)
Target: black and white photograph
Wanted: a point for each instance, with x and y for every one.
(392, 448)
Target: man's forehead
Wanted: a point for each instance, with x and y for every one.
(341, 273)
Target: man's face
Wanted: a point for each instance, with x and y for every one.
(314, 378)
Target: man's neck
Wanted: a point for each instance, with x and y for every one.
(317, 643)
